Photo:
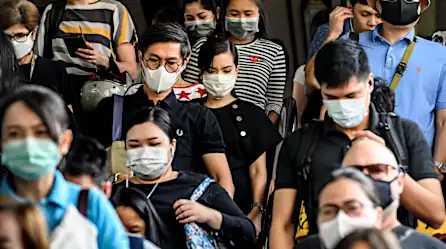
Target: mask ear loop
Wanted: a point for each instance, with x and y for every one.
(159, 180)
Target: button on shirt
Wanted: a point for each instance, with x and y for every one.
(196, 128)
(422, 89)
(111, 233)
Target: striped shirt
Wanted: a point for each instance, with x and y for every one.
(106, 24)
(262, 74)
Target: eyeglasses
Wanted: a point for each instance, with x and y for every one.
(154, 64)
(20, 37)
(407, 1)
(352, 208)
(378, 171)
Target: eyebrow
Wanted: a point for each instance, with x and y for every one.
(137, 141)
(345, 95)
(16, 126)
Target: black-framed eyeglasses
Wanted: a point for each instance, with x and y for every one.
(407, 1)
(20, 37)
(352, 208)
(153, 64)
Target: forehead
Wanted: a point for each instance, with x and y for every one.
(164, 50)
(242, 5)
(20, 114)
(363, 7)
(145, 131)
(340, 191)
(351, 86)
(16, 29)
(223, 59)
(194, 8)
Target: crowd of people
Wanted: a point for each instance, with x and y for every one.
(171, 139)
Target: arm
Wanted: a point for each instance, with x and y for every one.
(127, 59)
(258, 175)
(111, 232)
(440, 137)
(299, 92)
(218, 169)
(422, 194)
(276, 87)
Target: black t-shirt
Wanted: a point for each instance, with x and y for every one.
(248, 133)
(235, 226)
(333, 145)
(196, 128)
(408, 237)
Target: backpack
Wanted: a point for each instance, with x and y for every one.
(197, 237)
(391, 130)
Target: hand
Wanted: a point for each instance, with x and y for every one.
(187, 211)
(337, 20)
(256, 217)
(368, 135)
(440, 175)
(92, 56)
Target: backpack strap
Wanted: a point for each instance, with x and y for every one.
(54, 16)
(392, 132)
(82, 202)
(118, 108)
(198, 192)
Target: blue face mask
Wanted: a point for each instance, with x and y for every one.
(31, 158)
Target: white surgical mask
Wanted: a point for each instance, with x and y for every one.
(219, 85)
(242, 28)
(347, 113)
(200, 28)
(332, 232)
(149, 162)
(23, 48)
(159, 80)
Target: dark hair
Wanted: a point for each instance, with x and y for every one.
(211, 5)
(355, 175)
(383, 96)
(263, 30)
(213, 47)
(9, 73)
(375, 239)
(363, 2)
(45, 103)
(14, 12)
(157, 115)
(166, 15)
(338, 61)
(87, 157)
(166, 32)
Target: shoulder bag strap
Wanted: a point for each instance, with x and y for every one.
(401, 68)
(82, 202)
(198, 192)
(389, 126)
(118, 107)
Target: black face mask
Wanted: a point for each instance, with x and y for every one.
(400, 13)
(384, 191)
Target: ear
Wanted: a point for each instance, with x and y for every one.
(371, 82)
(237, 69)
(187, 60)
(379, 217)
(107, 189)
(140, 56)
(174, 145)
(34, 36)
(424, 5)
(400, 181)
(65, 143)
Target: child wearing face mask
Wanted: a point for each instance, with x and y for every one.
(247, 132)
(262, 71)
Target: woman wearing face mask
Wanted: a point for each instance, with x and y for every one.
(19, 20)
(248, 133)
(262, 73)
(35, 138)
(150, 147)
(201, 18)
(348, 202)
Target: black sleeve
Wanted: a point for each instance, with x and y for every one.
(235, 227)
(103, 122)
(286, 173)
(421, 164)
(210, 132)
(311, 242)
(63, 85)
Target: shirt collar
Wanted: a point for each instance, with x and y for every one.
(58, 193)
(330, 126)
(170, 101)
(377, 37)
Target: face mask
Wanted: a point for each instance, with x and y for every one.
(333, 231)
(385, 191)
(23, 48)
(148, 162)
(347, 113)
(159, 80)
(200, 28)
(31, 158)
(242, 28)
(219, 85)
(399, 12)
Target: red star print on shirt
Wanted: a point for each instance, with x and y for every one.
(184, 95)
(201, 91)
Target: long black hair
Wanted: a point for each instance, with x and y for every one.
(213, 47)
(263, 30)
(9, 73)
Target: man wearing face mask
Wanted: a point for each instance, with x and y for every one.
(380, 164)
(405, 61)
(164, 53)
(346, 85)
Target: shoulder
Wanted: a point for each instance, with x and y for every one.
(272, 46)
(199, 43)
(421, 239)
(312, 241)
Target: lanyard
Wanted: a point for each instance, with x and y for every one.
(401, 68)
